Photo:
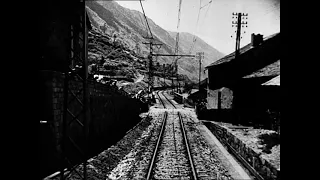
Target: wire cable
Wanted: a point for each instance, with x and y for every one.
(194, 36)
(143, 23)
(145, 17)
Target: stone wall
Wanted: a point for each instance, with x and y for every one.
(254, 160)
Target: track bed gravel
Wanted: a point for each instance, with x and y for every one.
(100, 166)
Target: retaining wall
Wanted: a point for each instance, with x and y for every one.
(251, 158)
(113, 113)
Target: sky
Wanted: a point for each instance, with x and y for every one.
(215, 26)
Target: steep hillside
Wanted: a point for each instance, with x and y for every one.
(129, 28)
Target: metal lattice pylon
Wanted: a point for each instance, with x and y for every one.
(76, 100)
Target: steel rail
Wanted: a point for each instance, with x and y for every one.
(194, 174)
(149, 175)
(169, 101)
(164, 106)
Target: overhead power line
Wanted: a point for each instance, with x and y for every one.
(143, 23)
(206, 13)
(206, 5)
(145, 17)
(194, 37)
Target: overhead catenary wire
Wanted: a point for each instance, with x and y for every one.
(174, 62)
(145, 17)
(143, 23)
(197, 18)
(177, 35)
(205, 5)
(206, 13)
(194, 36)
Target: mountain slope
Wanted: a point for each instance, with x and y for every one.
(129, 27)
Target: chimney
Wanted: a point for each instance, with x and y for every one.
(256, 39)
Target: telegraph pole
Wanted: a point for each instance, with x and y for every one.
(172, 85)
(200, 55)
(164, 75)
(238, 24)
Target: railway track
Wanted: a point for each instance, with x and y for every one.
(166, 103)
(171, 157)
(181, 152)
(170, 148)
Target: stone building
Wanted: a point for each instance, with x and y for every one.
(239, 90)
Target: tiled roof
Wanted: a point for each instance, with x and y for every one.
(270, 70)
(275, 82)
(244, 49)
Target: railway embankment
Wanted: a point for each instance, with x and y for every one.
(257, 149)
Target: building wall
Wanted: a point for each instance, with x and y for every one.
(226, 98)
(257, 106)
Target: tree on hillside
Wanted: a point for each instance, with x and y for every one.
(104, 28)
(114, 37)
(138, 50)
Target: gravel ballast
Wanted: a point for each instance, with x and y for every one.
(100, 166)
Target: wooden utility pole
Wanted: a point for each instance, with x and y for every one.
(238, 24)
(175, 67)
(200, 55)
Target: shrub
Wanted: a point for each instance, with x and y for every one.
(269, 140)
